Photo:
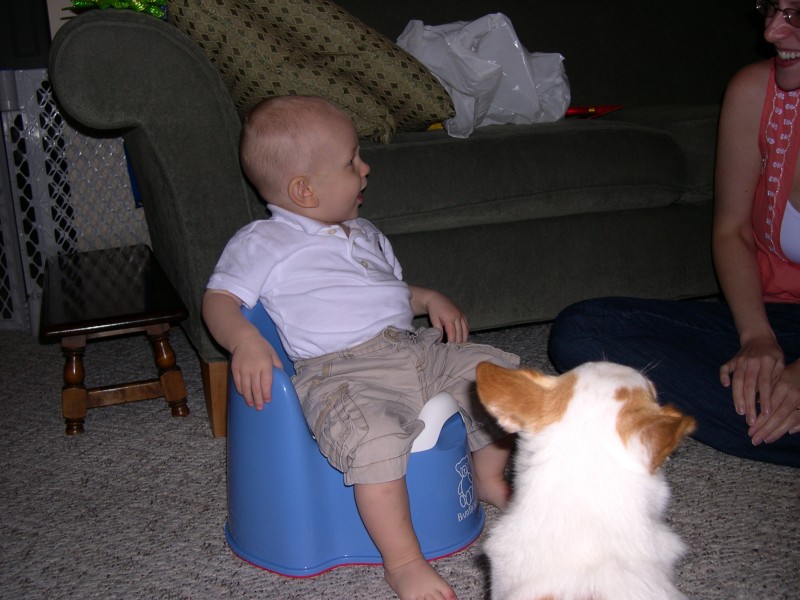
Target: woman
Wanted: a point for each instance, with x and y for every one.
(734, 366)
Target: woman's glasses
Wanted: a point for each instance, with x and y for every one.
(769, 8)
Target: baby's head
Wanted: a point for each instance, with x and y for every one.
(301, 153)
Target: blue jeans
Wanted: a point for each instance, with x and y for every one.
(680, 346)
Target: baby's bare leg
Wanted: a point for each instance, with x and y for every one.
(490, 465)
(386, 514)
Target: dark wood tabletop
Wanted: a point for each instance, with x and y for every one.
(106, 290)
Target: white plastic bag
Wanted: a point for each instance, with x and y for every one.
(488, 73)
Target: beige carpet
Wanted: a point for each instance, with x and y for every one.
(135, 507)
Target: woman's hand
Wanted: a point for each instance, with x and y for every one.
(784, 414)
(756, 369)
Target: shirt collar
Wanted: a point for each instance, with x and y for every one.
(306, 224)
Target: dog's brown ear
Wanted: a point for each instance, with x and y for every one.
(664, 432)
(519, 398)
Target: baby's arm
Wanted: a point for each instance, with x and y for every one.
(252, 356)
(443, 313)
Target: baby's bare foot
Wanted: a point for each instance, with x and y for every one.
(418, 580)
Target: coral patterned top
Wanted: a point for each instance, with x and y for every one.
(779, 145)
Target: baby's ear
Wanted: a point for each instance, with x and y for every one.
(301, 194)
(521, 399)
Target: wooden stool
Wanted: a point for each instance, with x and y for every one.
(107, 293)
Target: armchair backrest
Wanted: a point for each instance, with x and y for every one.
(130, 74)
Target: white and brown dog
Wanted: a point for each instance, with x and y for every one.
(586, 517)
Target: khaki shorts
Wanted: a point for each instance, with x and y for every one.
(362, 404)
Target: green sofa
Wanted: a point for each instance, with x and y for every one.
(513, 223)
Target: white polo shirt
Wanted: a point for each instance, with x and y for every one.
(325, 291)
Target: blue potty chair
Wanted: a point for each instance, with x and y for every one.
(288, 508)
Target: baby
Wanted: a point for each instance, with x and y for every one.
(333, 287)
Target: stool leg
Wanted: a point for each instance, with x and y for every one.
(168, 371)
(73, 394)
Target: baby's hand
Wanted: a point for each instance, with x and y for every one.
(252, 360)
(445, 315)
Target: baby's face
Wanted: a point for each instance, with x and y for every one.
(339, 175)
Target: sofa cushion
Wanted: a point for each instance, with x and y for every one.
(281, 47)
(427, 181)
(694, 128)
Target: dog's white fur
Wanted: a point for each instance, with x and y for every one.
(586, 517)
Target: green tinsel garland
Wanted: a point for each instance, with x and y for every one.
(146, 6)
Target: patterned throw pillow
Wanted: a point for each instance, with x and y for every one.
(268, 48)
